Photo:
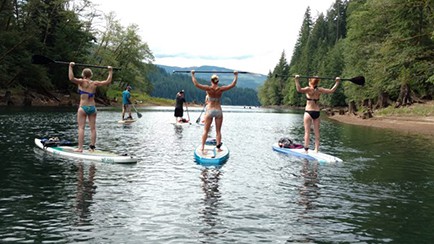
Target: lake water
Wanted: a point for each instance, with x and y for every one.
(383, 191)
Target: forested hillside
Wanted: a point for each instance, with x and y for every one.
(249, 80)
(166, 85)
(66, 30)
(390, 43)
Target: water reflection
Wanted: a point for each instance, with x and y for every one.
(85, 191)
(178, 130)
(210, 185)
(309, 190)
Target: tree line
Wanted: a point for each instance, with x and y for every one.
(74, 30)
(390, 43)
(166, 85)
(65, 30)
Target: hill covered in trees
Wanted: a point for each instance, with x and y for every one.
(391, 43)
(166, 85)
(250, 80)
(74, 30)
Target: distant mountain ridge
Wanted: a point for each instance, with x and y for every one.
(244, 80)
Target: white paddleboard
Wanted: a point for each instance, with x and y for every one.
(96, 155)
(310, 155)
(181, 123)
(127, 121)
(210, 155)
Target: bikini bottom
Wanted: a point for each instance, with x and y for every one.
(214, 113)
(89, 110)
(313, 114)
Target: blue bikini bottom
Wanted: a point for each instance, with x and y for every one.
(89, 109)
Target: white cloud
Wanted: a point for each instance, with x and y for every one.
(235, 34)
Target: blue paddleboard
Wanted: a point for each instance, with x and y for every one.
(210, 155)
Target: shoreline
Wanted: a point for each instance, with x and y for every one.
(422, 125)
(419, 125)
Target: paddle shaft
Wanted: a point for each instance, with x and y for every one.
(203, 109)
(211, 71)
(323, 78)
(86, 65)
(138, 114)
(39, 59)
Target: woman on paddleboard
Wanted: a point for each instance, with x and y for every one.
(312, 109)
(87, 109)
(213, 107)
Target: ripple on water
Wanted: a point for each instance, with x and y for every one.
(258, 196)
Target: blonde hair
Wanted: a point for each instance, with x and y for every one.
(214, 78)
(87, 73)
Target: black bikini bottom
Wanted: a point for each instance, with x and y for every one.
(313, 114)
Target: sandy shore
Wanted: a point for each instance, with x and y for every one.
(414, 125)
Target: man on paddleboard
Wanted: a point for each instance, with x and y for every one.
(87, 109)
(126, 103)
(179, 107)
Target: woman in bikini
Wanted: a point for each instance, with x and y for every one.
(87, 109)
(213, 107)
(312, 109)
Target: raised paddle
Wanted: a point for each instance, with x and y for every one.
(359, 80)
(212, 71)
(39, 59)
(139, 115)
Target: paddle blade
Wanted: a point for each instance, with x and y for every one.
(359, 80)
(139, 115)
(39, 59)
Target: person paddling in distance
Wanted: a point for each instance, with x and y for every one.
(87, 109)
(312, 109)
(213, 107)
(126, 103)
(179, 107)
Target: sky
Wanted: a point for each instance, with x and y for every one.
(243, 35)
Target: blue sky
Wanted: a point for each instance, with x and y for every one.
(236, 34)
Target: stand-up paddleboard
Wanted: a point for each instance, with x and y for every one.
(211, 155)
(127, 121)
(97, 155)
(310, 155)
(181, 123)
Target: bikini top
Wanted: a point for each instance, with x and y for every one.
(85, 92)
(312, 99)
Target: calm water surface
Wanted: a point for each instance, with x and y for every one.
(383, 192)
